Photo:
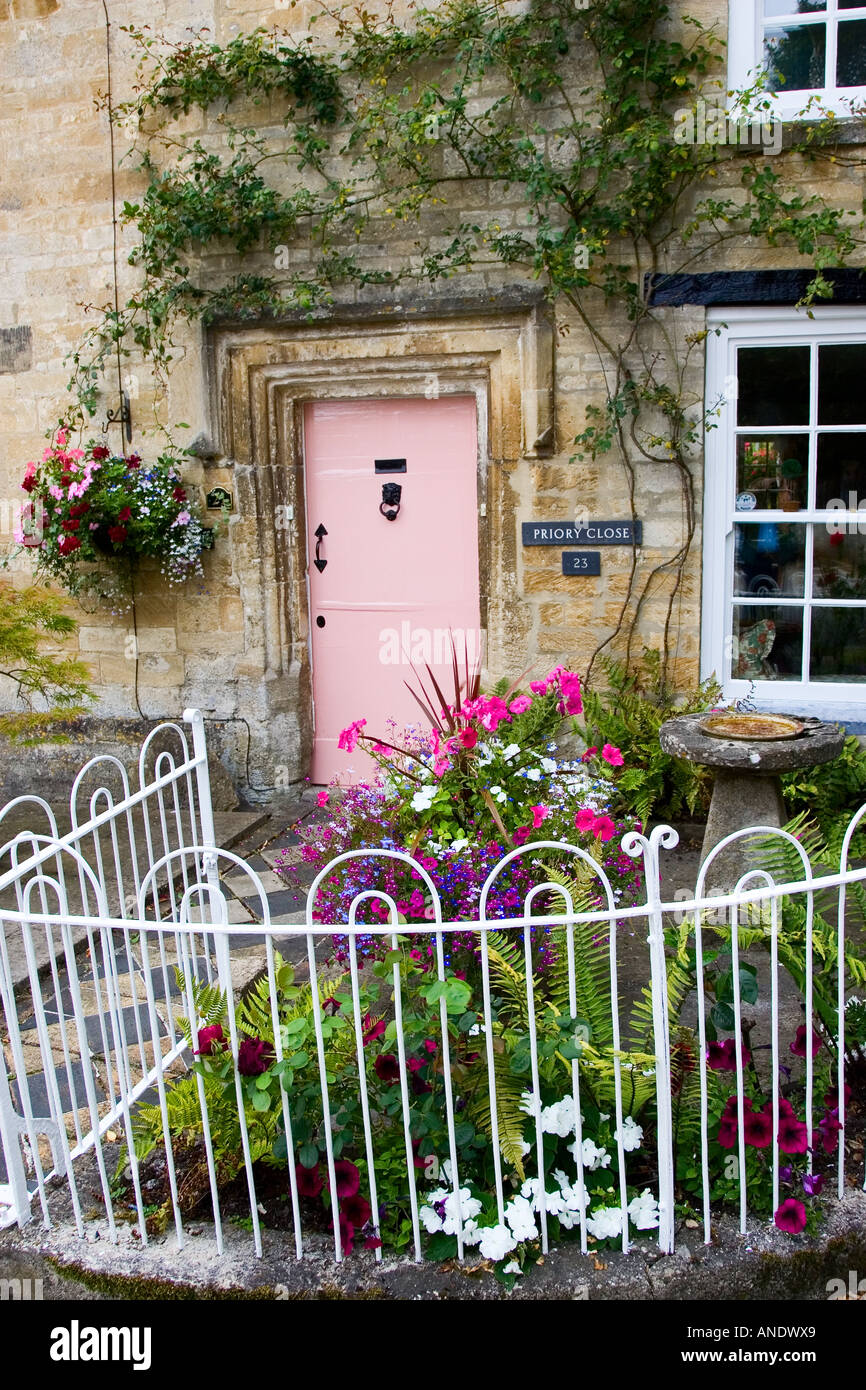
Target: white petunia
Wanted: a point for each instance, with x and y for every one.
(496, 1242)
(605, 1223)
(457, 845)
(632, 1134)
(469, 1209)
(558, 1118)
(593, 1156)
(534, 775)
(521, 1219)
(430, 1220)
(512, 1268)
(510, 751)
(644, 1211)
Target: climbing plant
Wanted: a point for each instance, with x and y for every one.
(321, 152)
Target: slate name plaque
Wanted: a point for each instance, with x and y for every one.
(581, 562)
(592, 533)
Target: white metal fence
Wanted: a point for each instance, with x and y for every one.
(125, 935)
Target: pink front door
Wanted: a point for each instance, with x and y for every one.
(389, 591)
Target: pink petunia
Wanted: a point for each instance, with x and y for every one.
(605, 829)
(321, 798)
(585, 819)
(520, 705)
(349, 737)
(539, 814)
(612, 755)
(791, 1216)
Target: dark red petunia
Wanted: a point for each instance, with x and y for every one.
(309, 1180)
(67, 544)
(372, 1243)
(66, 479)
(387, 1067)
(125, 515)
(117, 534)
(254, 1056)
(80, 509)
(758, 1129)
(29, 482)
(210, 1039)
(330, 1005)
(791, 1216)
(793, 1136)
(99, 452)
(829, 1130)
(798, 1046)
(348, 1178)
(179, 494)
(723, 1056)
(370, 1031)
(356, 1209)
(133, 460)
(831, 1099)
(70, 524)
(347, 1235)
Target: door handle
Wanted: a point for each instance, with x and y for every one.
(320, 534)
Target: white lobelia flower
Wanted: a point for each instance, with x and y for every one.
(496, 1242)
(605, 1223)
(644, 1211)
(632, 1134)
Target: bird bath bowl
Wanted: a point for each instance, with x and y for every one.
(748, 752)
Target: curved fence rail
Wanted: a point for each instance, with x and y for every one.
(562, 1072)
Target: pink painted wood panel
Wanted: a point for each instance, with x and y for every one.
(391, 590)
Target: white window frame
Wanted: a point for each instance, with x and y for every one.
(760, 327)
(746, 57)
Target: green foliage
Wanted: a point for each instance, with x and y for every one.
(628, 714)
(829, 795)
(32, 623)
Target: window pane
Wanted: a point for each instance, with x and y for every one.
(768, 644)
(795, 57)
(774, 471)
(769, 559)
(838, 644)
(851, 55)
(841, 379)
(773, 386)
(839, 567)
(841, 470)
(774, 7)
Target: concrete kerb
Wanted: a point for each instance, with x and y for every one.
(765, 1264)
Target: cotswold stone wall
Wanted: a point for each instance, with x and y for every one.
(236, 644)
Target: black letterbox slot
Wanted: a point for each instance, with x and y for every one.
(390, 465)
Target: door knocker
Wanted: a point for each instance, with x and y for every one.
(391, 494)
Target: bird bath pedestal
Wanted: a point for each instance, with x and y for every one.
(748, 753)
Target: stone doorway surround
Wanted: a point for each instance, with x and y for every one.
(259, 378)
